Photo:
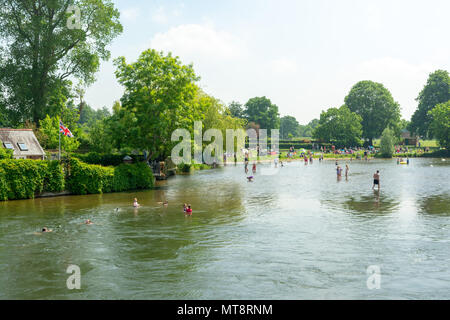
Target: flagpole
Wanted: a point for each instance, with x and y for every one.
(59, 154)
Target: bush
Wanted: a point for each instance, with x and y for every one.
(22, 179)
(6, 153)
(90, 179)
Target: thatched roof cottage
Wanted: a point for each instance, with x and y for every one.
(23, 142)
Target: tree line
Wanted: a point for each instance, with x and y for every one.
(46, 66)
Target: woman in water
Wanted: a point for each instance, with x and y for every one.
(136, 204)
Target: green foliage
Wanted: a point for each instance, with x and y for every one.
(387, 143)
(289, 127)
(6, 153)
(236, 110)
(340, 127)
(440, 123)
(436, 91)
(103, 159)
(263, 113)
(374, 103)
(48, 135)
(41, 51)
(90, 179)
(22, 179)
(158, 99)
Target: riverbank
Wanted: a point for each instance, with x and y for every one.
(27, 179)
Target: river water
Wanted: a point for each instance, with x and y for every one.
(298, 233)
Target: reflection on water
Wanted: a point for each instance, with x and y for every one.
(301, 233)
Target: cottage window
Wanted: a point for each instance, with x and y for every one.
(8, 145)
(23, 146)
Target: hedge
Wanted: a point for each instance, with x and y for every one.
(22, 179)
(104, 159)
(90, 179)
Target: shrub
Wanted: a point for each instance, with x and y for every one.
(90, 179)
(6, 153)
(22, 179)
(387, 143)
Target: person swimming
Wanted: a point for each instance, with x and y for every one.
(250, 179)
(45, 229)
(189, 210)
(88, 221)
(136, 204)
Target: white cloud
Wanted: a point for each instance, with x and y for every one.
(283, 66)
(198, 42)
(130, 14)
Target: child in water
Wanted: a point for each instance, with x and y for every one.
(184, 208)
(136, 204)
(254, 167)
(250, 179)
(189, 210)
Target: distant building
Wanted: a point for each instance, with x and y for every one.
(408, 139)
(23, 142)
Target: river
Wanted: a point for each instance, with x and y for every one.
(296, 234)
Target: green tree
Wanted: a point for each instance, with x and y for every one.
(387, 143)
(374, 103)
(440, 123)
(159, 93)
(42, 50)
(49, 135)
(289, 126)
(236, 110)
(339, 126)
(261, 111)
(437, 90)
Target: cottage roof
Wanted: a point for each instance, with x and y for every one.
(17, 137)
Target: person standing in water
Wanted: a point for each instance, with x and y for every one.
(136, 204)
(189, 211)
(346, 171)
(254, 168)
(376, 180)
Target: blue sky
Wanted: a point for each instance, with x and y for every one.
(304, 55)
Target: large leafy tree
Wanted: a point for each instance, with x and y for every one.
(261, 111)
(440, 123)
(45, 44)
(158, 98)
(437, 90)
(289, 126)
(339, 126)
(376, 106)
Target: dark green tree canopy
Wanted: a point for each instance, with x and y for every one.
(339, 126)
(261, 111)
(47, 43)
(440, 124)
(436, 91)
(289, 125)
(374, 103)
(236, 110)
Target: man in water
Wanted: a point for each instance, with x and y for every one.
(376, 180)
